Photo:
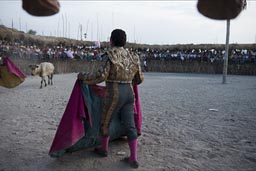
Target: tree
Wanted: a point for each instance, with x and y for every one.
(33, 32)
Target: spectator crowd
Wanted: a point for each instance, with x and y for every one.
(239, 56)
(90, 53)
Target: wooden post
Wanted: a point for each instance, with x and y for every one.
(225, 65)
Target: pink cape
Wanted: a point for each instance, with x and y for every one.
(71, 128)
(10, 75)
(12, 68)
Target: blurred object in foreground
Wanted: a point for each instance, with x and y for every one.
(41, 7)
(10, 75)
(221, 9)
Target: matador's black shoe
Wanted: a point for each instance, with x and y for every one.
(101, 152)
(133, 164)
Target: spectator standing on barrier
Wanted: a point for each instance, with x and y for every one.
(145, 66)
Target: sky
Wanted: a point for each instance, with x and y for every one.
(146, 22)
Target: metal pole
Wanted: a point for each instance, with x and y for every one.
(81, 32)
(225, 66)
(63, 25)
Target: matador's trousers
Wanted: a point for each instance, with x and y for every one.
(119, 100)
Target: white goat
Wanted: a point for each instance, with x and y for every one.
(43, 69)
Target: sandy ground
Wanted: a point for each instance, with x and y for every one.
(179, 130)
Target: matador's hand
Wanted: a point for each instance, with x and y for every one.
(80, 76)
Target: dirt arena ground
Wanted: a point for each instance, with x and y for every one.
(191, 122)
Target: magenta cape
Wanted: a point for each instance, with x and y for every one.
(12, 68)
(80, 123)
(10, 75)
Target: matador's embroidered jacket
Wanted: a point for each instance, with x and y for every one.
(119, 69)
(119, 65)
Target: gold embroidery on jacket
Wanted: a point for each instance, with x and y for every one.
(118, 66)
(99, 75)
(108, 109)
(124, 65)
